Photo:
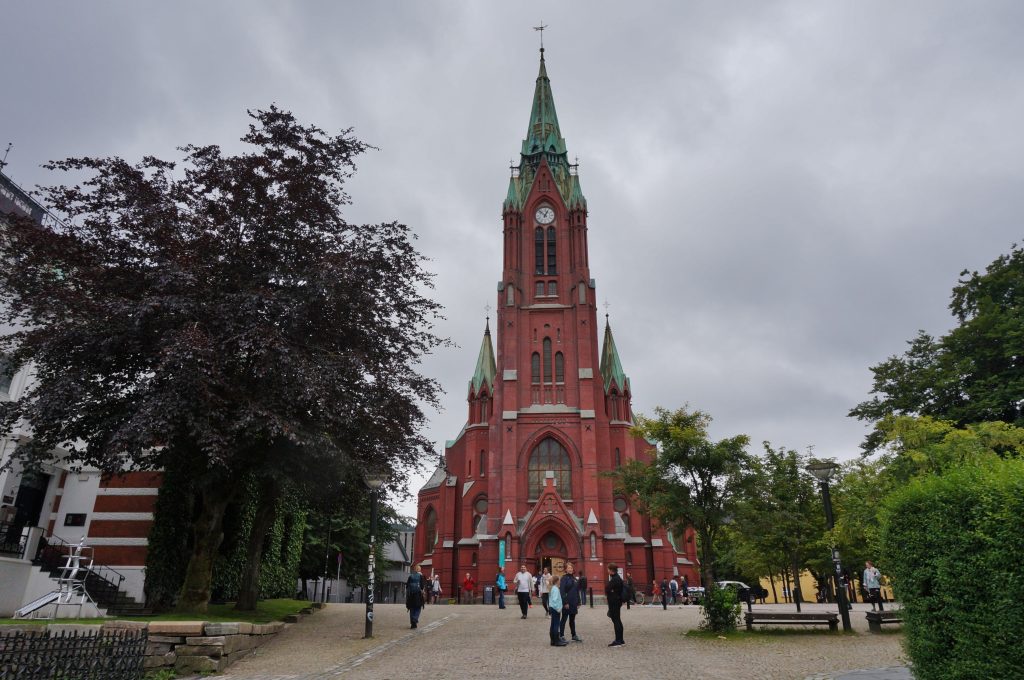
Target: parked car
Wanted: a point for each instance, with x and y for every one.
(743, 592)
(696, 594)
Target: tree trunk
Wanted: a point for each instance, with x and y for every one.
(787, 591)
(771, 580)
(266, 513)
(707, 558)
(305, 589)
(207, 532)
(797, 595)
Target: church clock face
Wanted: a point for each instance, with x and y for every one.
(545, 215)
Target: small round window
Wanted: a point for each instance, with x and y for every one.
(620, 505)
(481, 506)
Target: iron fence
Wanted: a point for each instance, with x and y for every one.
(69, 655)
(12, 543)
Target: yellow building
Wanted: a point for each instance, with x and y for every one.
(809, 589)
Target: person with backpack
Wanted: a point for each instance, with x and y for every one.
(435, 589)
(501, 585)
(414, 595)
(673, 588)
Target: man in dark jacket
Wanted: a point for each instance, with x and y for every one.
(569, 587)
(613, 593)
(664, 593)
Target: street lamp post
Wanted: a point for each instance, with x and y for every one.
(374, 482)
(823, 471)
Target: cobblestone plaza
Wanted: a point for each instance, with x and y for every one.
(485, 642)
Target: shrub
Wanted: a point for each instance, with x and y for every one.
(953, 545)
(721, 610)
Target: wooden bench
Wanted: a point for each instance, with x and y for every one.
(792, 619)
(876, 619)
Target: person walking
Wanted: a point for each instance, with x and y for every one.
(469, 587)
(544, 588)
(435, 588)
(555, 600)
(664, 594)
(629, 591)
(414, 595)
(523, 581)
(499, 583)
(569, 588)
(673, 587)
(872, 580)
(613, 594)
(583, 589)
(685, 590)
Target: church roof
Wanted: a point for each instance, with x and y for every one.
(486, 367)
(611, 366)
(544, 143)
(435, 479)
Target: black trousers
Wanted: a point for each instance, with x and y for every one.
(524, 601)
(614, 614)
(570, 616)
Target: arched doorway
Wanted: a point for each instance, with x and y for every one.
(552, 548)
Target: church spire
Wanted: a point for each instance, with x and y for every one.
(543, 134)
(611, 367)
(486, 367)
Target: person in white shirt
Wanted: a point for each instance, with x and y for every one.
(523, 582)
(545, 589)
(872, 582)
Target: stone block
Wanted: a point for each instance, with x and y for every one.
(318, 605)
(215, 651)
(176, 627)
(236, 643)
(171, 639)
(205, 640)
(291, 618)
(158, 648)
(244, 628)
(124, 625)
(306, 610)
(274, 627)
(80, 628)
(224, 628)
(199, 664)
(159, 660)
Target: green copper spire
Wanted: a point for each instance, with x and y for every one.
(543, 134)
(486, 367)
(611, 367)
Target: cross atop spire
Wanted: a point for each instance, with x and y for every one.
(541, 29)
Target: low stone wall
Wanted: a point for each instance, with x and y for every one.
(189, 646)
(200, 646)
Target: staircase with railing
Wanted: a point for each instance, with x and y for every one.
(103, 584)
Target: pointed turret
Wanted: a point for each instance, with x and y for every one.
(611, 367)
(543, 134)
(486, 367)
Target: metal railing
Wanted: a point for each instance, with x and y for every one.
(102, 583)
(12, 540)
(107, 655)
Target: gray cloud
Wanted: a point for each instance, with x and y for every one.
(780, 194)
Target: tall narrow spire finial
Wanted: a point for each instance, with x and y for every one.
(541, 29)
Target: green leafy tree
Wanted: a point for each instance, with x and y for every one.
(974, 373)
(221, 319)
(691, 480)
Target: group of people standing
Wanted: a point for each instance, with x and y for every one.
(561, 598)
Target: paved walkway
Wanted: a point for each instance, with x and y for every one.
(484, 642)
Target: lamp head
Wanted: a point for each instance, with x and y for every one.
(822, 469)
(374, 480)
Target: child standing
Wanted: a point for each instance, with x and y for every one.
(555, 606)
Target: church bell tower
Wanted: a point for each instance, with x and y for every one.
(549, 410)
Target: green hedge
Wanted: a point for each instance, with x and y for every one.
(953, 545)
(721, 609)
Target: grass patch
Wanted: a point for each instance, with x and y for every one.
(266, 611)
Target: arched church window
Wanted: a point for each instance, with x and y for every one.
(539, 250)
(508, 546)
(625, 521)
(552, 267)
(430, 522)
(535, 368)
(629, 557)
(550, 456)
(593, 544)
(559, 368)
(539, 292)
(552, 288)
(618, 457)
(547, 360)
(481, 505)
(469, 469)
(613, 405)
(474, 559)
(483, 464)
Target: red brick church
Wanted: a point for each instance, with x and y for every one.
(548, 411)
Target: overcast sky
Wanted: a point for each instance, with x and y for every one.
(781, 193)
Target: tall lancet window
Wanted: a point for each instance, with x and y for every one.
(539, 250)
(552, 267)
(550, 456)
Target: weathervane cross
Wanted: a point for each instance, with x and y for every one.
(541, 29)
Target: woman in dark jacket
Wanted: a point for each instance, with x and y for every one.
(613, 593)
(570, 602)
(414, 595)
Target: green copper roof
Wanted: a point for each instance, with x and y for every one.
(544, 142)
(543, 135)
(486, 367)
(611, 367)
